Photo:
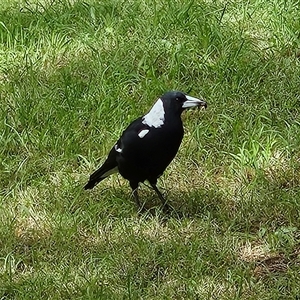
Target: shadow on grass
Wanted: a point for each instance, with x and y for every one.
(183, 204)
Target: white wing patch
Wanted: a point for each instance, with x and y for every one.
(143, 132)
(118, 149)
(156, 116)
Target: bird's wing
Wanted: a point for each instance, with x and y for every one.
(145, 145)
(131, 140)
(128, 141)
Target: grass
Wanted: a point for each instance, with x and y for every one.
(73, 74)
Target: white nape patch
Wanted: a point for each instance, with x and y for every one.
(156, 116)
(118, 149)
(143, 132)
(109, 172)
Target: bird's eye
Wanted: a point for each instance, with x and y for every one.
(179, 99)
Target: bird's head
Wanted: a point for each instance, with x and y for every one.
(170, 104)
(177, 101)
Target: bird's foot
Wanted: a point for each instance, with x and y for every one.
(166, 208)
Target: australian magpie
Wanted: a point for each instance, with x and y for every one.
(148, 144)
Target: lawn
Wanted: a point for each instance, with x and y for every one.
(74, 74)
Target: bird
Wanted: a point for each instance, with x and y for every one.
(148, 145)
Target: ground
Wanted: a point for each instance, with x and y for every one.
(74, 74)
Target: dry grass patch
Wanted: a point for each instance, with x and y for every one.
(266, 261)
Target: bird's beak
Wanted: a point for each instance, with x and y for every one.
(192, 102)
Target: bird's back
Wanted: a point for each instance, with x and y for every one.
(147, 151)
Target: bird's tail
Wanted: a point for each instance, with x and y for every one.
(104, 171)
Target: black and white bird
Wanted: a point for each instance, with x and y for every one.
(148, 144)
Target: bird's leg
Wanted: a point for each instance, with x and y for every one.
(160, 196)
(136, 198)
(134, 187)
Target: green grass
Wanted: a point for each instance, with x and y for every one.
(73, 74)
